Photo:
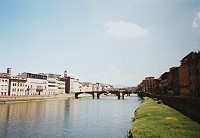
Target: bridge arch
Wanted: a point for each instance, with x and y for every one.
(78, 93)
(117, 93)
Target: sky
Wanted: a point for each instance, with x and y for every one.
(119, 42)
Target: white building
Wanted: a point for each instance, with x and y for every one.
(87, 87)
(80, 86)
(97, 87)
(61, 86)
(36, 84)
(56, 83)
(4, 84)
(52, 84)
(73, 85)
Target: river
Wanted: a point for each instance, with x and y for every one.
(106, 117)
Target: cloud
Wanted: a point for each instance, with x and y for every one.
(124, 29)
(196, 21)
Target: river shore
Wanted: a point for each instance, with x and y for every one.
(13, 99)
(154, 119)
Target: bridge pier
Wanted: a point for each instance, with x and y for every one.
(123, 96)
(118, 96)
(98, 95)
(93, 95)
(76, 95)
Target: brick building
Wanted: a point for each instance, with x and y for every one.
(184, 81)
(193, 62)
(148, 84)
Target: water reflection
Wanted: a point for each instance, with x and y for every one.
(106, 117)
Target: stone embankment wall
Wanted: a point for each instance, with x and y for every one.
(187, 106)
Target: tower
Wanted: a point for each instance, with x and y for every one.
(9, 71)
(65, 74)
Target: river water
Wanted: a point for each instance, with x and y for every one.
(106, 117)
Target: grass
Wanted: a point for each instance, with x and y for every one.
(158, 120)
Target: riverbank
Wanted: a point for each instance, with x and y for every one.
(30, 98)
(158, 120)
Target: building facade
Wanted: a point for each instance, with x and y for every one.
(61, 85)
(18, 86)
(148, 84)
(164, 85)
(52, 84)
(73, 85)
(97, 87)
(36, 84)
(174, 83)
(4, 85)
(184, 81)
(193, 62)
(87, 87)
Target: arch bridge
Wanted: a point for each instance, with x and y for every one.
(119, 94)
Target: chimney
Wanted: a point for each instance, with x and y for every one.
(9, 71)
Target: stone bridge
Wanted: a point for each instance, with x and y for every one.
(98, 93)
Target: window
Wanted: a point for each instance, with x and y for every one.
(197, 71)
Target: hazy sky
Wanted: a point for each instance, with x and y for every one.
(111, 41)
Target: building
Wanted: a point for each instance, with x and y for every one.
(87, 87)
(17, 86)
(193, 62)
(52, 88)
(72, 85)
(61, 85)
(156, 88)
(174, 81)
(97, 87)
(4, 84)
(184, 81)
(148, 84)
(80, 86)
(12, 85)
(56, 83)
(164, 85)
(37, 84)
